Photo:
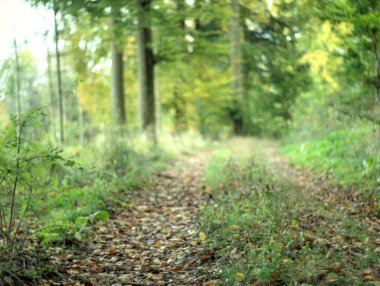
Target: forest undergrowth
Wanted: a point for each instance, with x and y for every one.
(274, 224)
(53, 199)
(132, 216)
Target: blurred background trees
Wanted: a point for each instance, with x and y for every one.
(267, 68)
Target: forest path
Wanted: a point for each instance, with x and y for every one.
(340, 224)
(155, 240)
(348, 200)
(343, 199)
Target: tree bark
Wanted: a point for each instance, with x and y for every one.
(51, 92)
(59, 80)
(179, 103)
(146, 69)
(117, 89)
(236, 66)
(17, 80)
(376, 56)
(157, 94)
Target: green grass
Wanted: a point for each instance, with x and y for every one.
(92, 182)
(110, 171)
(351, 156)
(113, 166)
(268, 231)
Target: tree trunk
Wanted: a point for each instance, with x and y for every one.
(376, 56)
(51, 92)
(198, 7)
(179, 102)
(81, 124)
(17, 81)
(59, 81)
(146, 69)
(236, 65)
(158, 100)
(117, 93)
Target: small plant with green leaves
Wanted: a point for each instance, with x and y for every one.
(25, 167)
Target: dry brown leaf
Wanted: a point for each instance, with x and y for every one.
(211, 283)
(112, 250)
(124, 278)
(157, 277)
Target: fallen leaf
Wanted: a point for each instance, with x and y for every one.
(329, 253)
(125, 279)
(234, 227)
(157, 277)
(112, 250)
(368, 277)
(294, 224)
(332, 277)
(255, 282)
(239, 276)
(207, 189)
(211, 283)
(202, 236)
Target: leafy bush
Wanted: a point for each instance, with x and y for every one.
(41, 194)
(24, 168)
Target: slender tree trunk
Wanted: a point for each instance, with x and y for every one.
(81, 124)
(17, 80)
(374, 34)
(117, 93)
(158, 100)
(59, 81)
(376, 56)
(51, 92)
(236, 65)
(198, 7)
(179, 103)
(146, 69)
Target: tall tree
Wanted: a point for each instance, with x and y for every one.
(117, 86)
(362, 43)
(17, 80)
(59, 79)
(146, 68)
(236, 67)
(51, 88)
(77, 11)
(179, 101)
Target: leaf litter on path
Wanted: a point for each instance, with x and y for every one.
(154, 241)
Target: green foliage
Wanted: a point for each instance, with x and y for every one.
(351, 156)
(273, 75)
(217, 166)
(50, 197)
(361, 45)
(23, 170)
(26, 171)
(31, 89)
(85, 196)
